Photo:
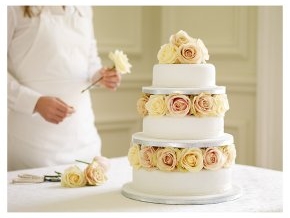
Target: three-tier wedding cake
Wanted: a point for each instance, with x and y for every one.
(182, 155)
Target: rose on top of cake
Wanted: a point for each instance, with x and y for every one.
(183, 49)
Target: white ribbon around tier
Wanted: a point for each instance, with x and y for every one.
(225, 139)
(210, 90)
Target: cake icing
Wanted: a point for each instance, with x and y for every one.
(182, 184)
(182, 149)
(188, 127)
(183, 75)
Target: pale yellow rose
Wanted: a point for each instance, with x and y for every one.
(103, 162)
(73, 177)
(213, 158)
(148, 158)
(167, 158)
(167, 54)
(156, 105)
(222, 104)
(134, 156)
(189, 53)
(191, 159)
(203, 105)
(204, 51)
(230, 154)
(179, 38)
(121, 61)
(95, 174)
(178, 104)
(141, 105)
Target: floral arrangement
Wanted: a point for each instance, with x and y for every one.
(121, 64)
(181, 159)
(183, 49)
(181, 105)
(93, 175)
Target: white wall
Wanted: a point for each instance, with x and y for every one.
(230, 34)
(269, 88)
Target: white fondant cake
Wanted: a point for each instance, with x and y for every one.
(182, 149)
(204, 182)
(183, 75)
(188, 127)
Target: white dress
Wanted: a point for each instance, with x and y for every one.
(53, 54)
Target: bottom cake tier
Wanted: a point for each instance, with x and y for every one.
(166, 167)
(204, 182)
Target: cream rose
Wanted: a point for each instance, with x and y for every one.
(189, 53)
(191, 159)
(230, 154)
(178, 105)
(141, 105)
(121, 61)
(204, 51)
(167, 158)
(95, 174)
(222, 104)
(180, 38)
(167, 54)
(156, 105)
(148, 157)
(213, 158)
(73, 177)
(134, 156)
(203, 105)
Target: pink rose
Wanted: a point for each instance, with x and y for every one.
(213, 158)
(203, 105)
(95, 174)
(189, 53)
(148, 157)
(178, 105)
(103, 162)
(167, 158)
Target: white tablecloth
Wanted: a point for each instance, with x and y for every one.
(262, 191)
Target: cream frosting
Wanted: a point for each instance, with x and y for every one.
(188, 127)
(183, 75)
(180, 183)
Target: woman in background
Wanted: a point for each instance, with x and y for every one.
(52, 56)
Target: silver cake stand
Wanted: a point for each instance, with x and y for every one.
(232, 194)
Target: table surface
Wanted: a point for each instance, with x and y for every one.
(261, 191)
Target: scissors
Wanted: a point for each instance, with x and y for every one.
(30, 178)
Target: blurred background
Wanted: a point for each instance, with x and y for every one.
(245, 45)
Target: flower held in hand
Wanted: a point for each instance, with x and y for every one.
(121, 62)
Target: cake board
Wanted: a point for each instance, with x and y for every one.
(234, 193)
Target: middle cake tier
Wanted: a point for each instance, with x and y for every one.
(187, 127)
(183, 113)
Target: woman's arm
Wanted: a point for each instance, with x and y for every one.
(20, 98)
(23, 99)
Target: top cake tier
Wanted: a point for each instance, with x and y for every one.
(183, 75)
(182, 64)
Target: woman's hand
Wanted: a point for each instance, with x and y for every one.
(111, 79)
(53, 109)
